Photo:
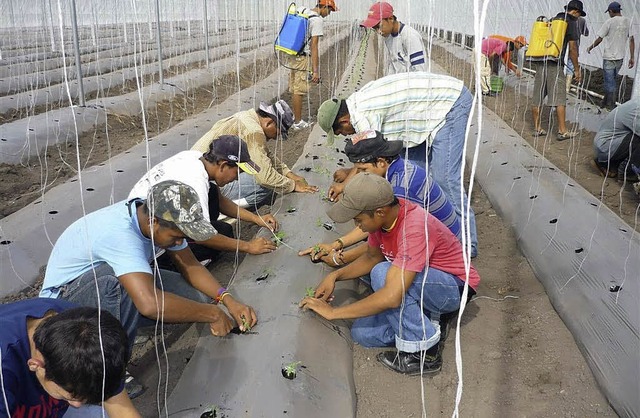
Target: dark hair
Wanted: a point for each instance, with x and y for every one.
(372, 211)
(511, 45)
(342, 111)
(162, 222)
(70, 345)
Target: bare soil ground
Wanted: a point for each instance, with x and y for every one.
(519, 358)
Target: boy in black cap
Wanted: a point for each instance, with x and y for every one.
(207, 173)
(370, 152)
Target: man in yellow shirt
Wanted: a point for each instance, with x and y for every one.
(256, 127)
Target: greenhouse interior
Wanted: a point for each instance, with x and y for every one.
(330, 208)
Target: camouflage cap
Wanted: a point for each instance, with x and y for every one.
(177, 202)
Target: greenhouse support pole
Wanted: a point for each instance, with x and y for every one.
(159, 41)
(76, 44)
(206, 32)
(635, 93)
(51, 35)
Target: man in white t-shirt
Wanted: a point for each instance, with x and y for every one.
(404, 44)
(614, 32)
(301, 73)
(206, 173)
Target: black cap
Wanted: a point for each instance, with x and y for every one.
(232, 148)
(369, 145)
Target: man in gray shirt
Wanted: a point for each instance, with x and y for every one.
(618, 140)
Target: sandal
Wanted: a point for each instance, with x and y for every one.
(565, 136)
(540, 132)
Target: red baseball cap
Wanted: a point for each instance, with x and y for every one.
(377, 12)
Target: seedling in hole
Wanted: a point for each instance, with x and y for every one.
(319, 221)
(316, 249)
(245, 324)
(291, 370)
(278, 237)
(328, 226)
(310, 292)
(211, 412)
(291, 209)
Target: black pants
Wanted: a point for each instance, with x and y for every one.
(629, 148)
(200, 251)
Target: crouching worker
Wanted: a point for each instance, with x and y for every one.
(55, 354)
(370, 152)
(103, 259)
(417, 275)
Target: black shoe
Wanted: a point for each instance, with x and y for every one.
(131, 385)
(445, 321)
(490, 94)
(409, 363)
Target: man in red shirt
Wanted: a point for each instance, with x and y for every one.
(417, 273)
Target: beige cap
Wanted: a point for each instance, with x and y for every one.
(365, 191)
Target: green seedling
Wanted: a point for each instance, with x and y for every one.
(290, 371)
(319, 221)
(245, 324)
(310, 292)
(278, 237)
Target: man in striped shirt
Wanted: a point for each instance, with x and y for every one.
(404, 44)
(428, 112)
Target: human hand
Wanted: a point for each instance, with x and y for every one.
(268, 221)
(518, 73)
(315, 77)
(577, 76)
(341, 174)
(631, 62)
(325, 289)
(261, 246)
(317, 251)
(244, 315)
(319, 306)
(221, 324)
(335, 191)
(304, 187)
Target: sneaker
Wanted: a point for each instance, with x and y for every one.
(131, 385)
(302, 124)
(636, 188)
(410, 363)
(490, 94)
(565, 135)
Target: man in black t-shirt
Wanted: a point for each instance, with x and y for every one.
(550, 80)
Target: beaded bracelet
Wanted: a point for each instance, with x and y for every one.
(220, 294)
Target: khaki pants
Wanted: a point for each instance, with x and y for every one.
(299, 73)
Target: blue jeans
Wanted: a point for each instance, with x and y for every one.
(611, 68)
(247, 188)
(409, 326)
(85, 411)
(114, 298)
(445, 160)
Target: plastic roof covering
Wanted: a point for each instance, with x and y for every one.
(457, 16)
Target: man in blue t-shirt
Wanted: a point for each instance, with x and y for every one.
(103, 259)
(51, 359)
(369, 151)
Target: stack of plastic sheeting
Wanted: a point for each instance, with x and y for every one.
(586, 257)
